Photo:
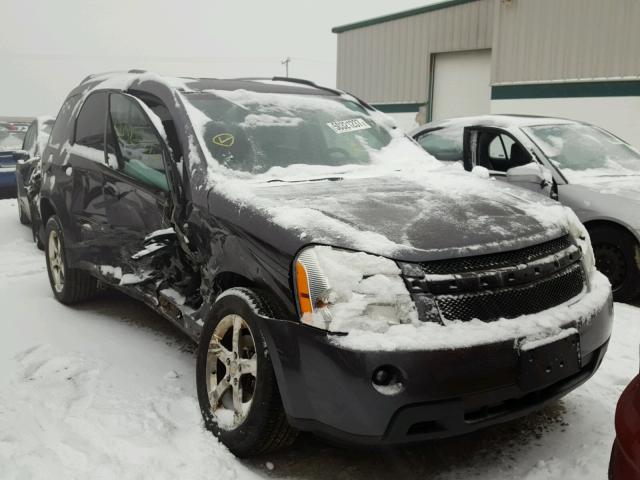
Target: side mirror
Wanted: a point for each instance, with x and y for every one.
(532, 176)
(21, 156)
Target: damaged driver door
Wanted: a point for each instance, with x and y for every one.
(136, 190)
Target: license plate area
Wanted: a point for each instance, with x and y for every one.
(547, 364)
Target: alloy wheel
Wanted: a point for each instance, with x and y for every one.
(231, 372)
(55, 261)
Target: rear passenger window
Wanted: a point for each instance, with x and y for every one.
(444, 144)
(91, 121)
(140, 152)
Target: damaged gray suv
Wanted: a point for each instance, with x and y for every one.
(336, 278)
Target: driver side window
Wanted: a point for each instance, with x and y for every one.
(500, 148)
(503, 153)
(134, 138)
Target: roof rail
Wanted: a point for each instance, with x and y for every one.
(366, 105)
(110, 72)
(302, 81)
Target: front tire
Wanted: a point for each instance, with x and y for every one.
(237, 389)
(69, 285)
(617, 255)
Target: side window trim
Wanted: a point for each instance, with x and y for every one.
(118, 153)
(504, 148)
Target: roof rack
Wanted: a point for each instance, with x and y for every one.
(111, 72)
(301, 81)
(309, 83)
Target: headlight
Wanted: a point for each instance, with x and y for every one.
(579, 233)
(340, 290)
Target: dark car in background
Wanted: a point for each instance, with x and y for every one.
(12, 133)
(28, 169)
(336, 279)
(583, 166)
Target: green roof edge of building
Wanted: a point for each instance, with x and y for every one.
(399, 15)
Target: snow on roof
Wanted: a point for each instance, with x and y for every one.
(124, 80)
(499, 120)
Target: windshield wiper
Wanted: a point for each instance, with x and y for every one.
(323, 179)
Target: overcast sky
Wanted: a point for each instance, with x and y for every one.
(47, 47)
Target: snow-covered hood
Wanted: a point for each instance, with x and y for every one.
(441, 216)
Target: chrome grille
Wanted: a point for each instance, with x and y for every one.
(502, 285)
(497, 260)
(512, 302)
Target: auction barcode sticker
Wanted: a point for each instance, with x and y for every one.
(345, 126)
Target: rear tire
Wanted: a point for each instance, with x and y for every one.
(36, 239)
(69, 285)
(263, 426)
(24, 220)
(618, 256)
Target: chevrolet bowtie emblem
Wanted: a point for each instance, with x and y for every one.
(224, 140)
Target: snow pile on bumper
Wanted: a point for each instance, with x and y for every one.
(432, 336)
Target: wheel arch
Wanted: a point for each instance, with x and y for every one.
(47, 210)
(612, 224)
(227, 280)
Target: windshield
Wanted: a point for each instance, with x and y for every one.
(255, 132)
(585, 151)
(11, 137)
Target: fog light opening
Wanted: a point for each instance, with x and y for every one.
(388, 380)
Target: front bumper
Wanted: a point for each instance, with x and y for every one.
(327, 389)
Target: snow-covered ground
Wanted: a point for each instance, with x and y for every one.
(106, 390)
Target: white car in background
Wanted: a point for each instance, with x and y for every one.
(583, 166)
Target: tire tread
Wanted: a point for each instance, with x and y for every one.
(79, 285)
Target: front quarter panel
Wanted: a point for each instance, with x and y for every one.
(235, 240)
(591, 205)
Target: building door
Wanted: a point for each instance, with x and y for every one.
(461, 84)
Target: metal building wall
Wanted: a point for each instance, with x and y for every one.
(565, 40)
(390, 62)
